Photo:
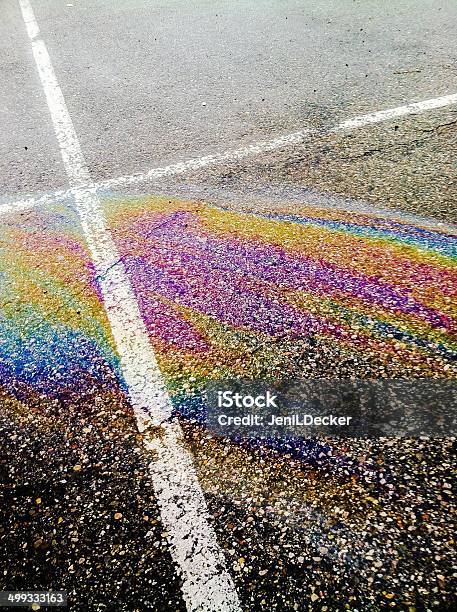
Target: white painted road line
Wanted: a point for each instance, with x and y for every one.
(234, 155)
(196, 163)
(416, 108)
(267, 146)
(27, 203)
(207, 585)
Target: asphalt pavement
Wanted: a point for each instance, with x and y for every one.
(328, 254)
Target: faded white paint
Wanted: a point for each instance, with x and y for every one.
(234, 155)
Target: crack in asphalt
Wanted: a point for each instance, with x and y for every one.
(411, 143)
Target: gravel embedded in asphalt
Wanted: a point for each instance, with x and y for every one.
(78, 510)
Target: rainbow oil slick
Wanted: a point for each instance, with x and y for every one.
(301, 292)
(307, 293)
(55, 343)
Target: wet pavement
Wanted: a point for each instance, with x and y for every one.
(318, 524)
(78, 509)
(331, 258)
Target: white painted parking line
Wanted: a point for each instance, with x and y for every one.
(234, 155)
(207, 585)
(415, 108)
(267, 146)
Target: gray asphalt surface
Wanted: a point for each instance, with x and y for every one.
(330, 526)
(29, 155)
(135, 75)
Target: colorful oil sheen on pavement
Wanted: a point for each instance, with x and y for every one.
(55, 341)
(297, 291)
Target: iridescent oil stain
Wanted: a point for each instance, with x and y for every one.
(313, 293)
(316, 293)
(55, 341)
